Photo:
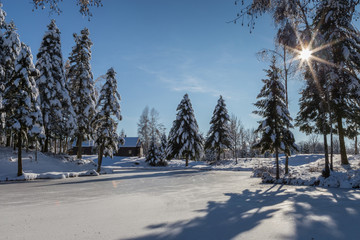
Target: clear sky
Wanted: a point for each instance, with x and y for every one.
(162, 49)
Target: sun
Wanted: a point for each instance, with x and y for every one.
(305, 54)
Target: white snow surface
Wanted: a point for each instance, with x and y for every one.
(47, 166)
(305, 169)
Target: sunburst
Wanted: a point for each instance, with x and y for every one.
(305, 54)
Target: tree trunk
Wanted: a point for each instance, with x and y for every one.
(55, 149)
(27, 144)
(344, 159)
(20, 171)
(14, 143)
(331, 147)
(36, 150)
(187, 161)
(326, 171)
(46, 144)
(277, 164)
(236, 157)
(100, 156)
(356, 145)
(219, 154)
(79, 145)
(287, 103)
(8, 140)
(60, 146)
(66, 144)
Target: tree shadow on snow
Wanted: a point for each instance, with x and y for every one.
(324, 214)
(327, 214)
(225, 220)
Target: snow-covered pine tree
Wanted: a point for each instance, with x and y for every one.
(153, 156)
(185, 140)
(58, 115)
(275, 135)
(22, 95)
(162, 150)
(104, 124)
(218, 138)
(10, 48)
(312, 116)
(81, 86)
(333, 20)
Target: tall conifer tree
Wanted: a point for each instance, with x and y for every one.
(219, 136)
(10, 48)
(22, 95)
(104, 124)
(274, 129)
(313, 114)
(58, 115)
(81, 86)
(334, 18)
(185, 140)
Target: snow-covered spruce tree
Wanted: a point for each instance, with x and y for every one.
(153, 156)
(104, 124)
(162, 150)
(58, 115)
(184, 139)
(22, 95)
(334, 18)
(218, 138)
(81, 86)
(312, 117)
(275, 135)
(10, 48)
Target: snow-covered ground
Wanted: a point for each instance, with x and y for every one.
(47, 166)
(188, 204)
(306, 170)
(303, 169)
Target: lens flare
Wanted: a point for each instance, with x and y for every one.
(305, 54)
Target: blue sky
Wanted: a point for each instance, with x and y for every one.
(162, 49)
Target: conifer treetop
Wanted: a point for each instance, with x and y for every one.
(184, 138)
(218, 136)
(272, 108)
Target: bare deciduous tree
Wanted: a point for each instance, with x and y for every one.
(53, 5)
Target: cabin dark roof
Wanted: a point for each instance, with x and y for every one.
(131, 142)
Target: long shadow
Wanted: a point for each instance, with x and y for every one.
(173, 173)
(241, 213)
(334, 214)
(313, 214)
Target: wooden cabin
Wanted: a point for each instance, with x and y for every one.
(131, 148)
